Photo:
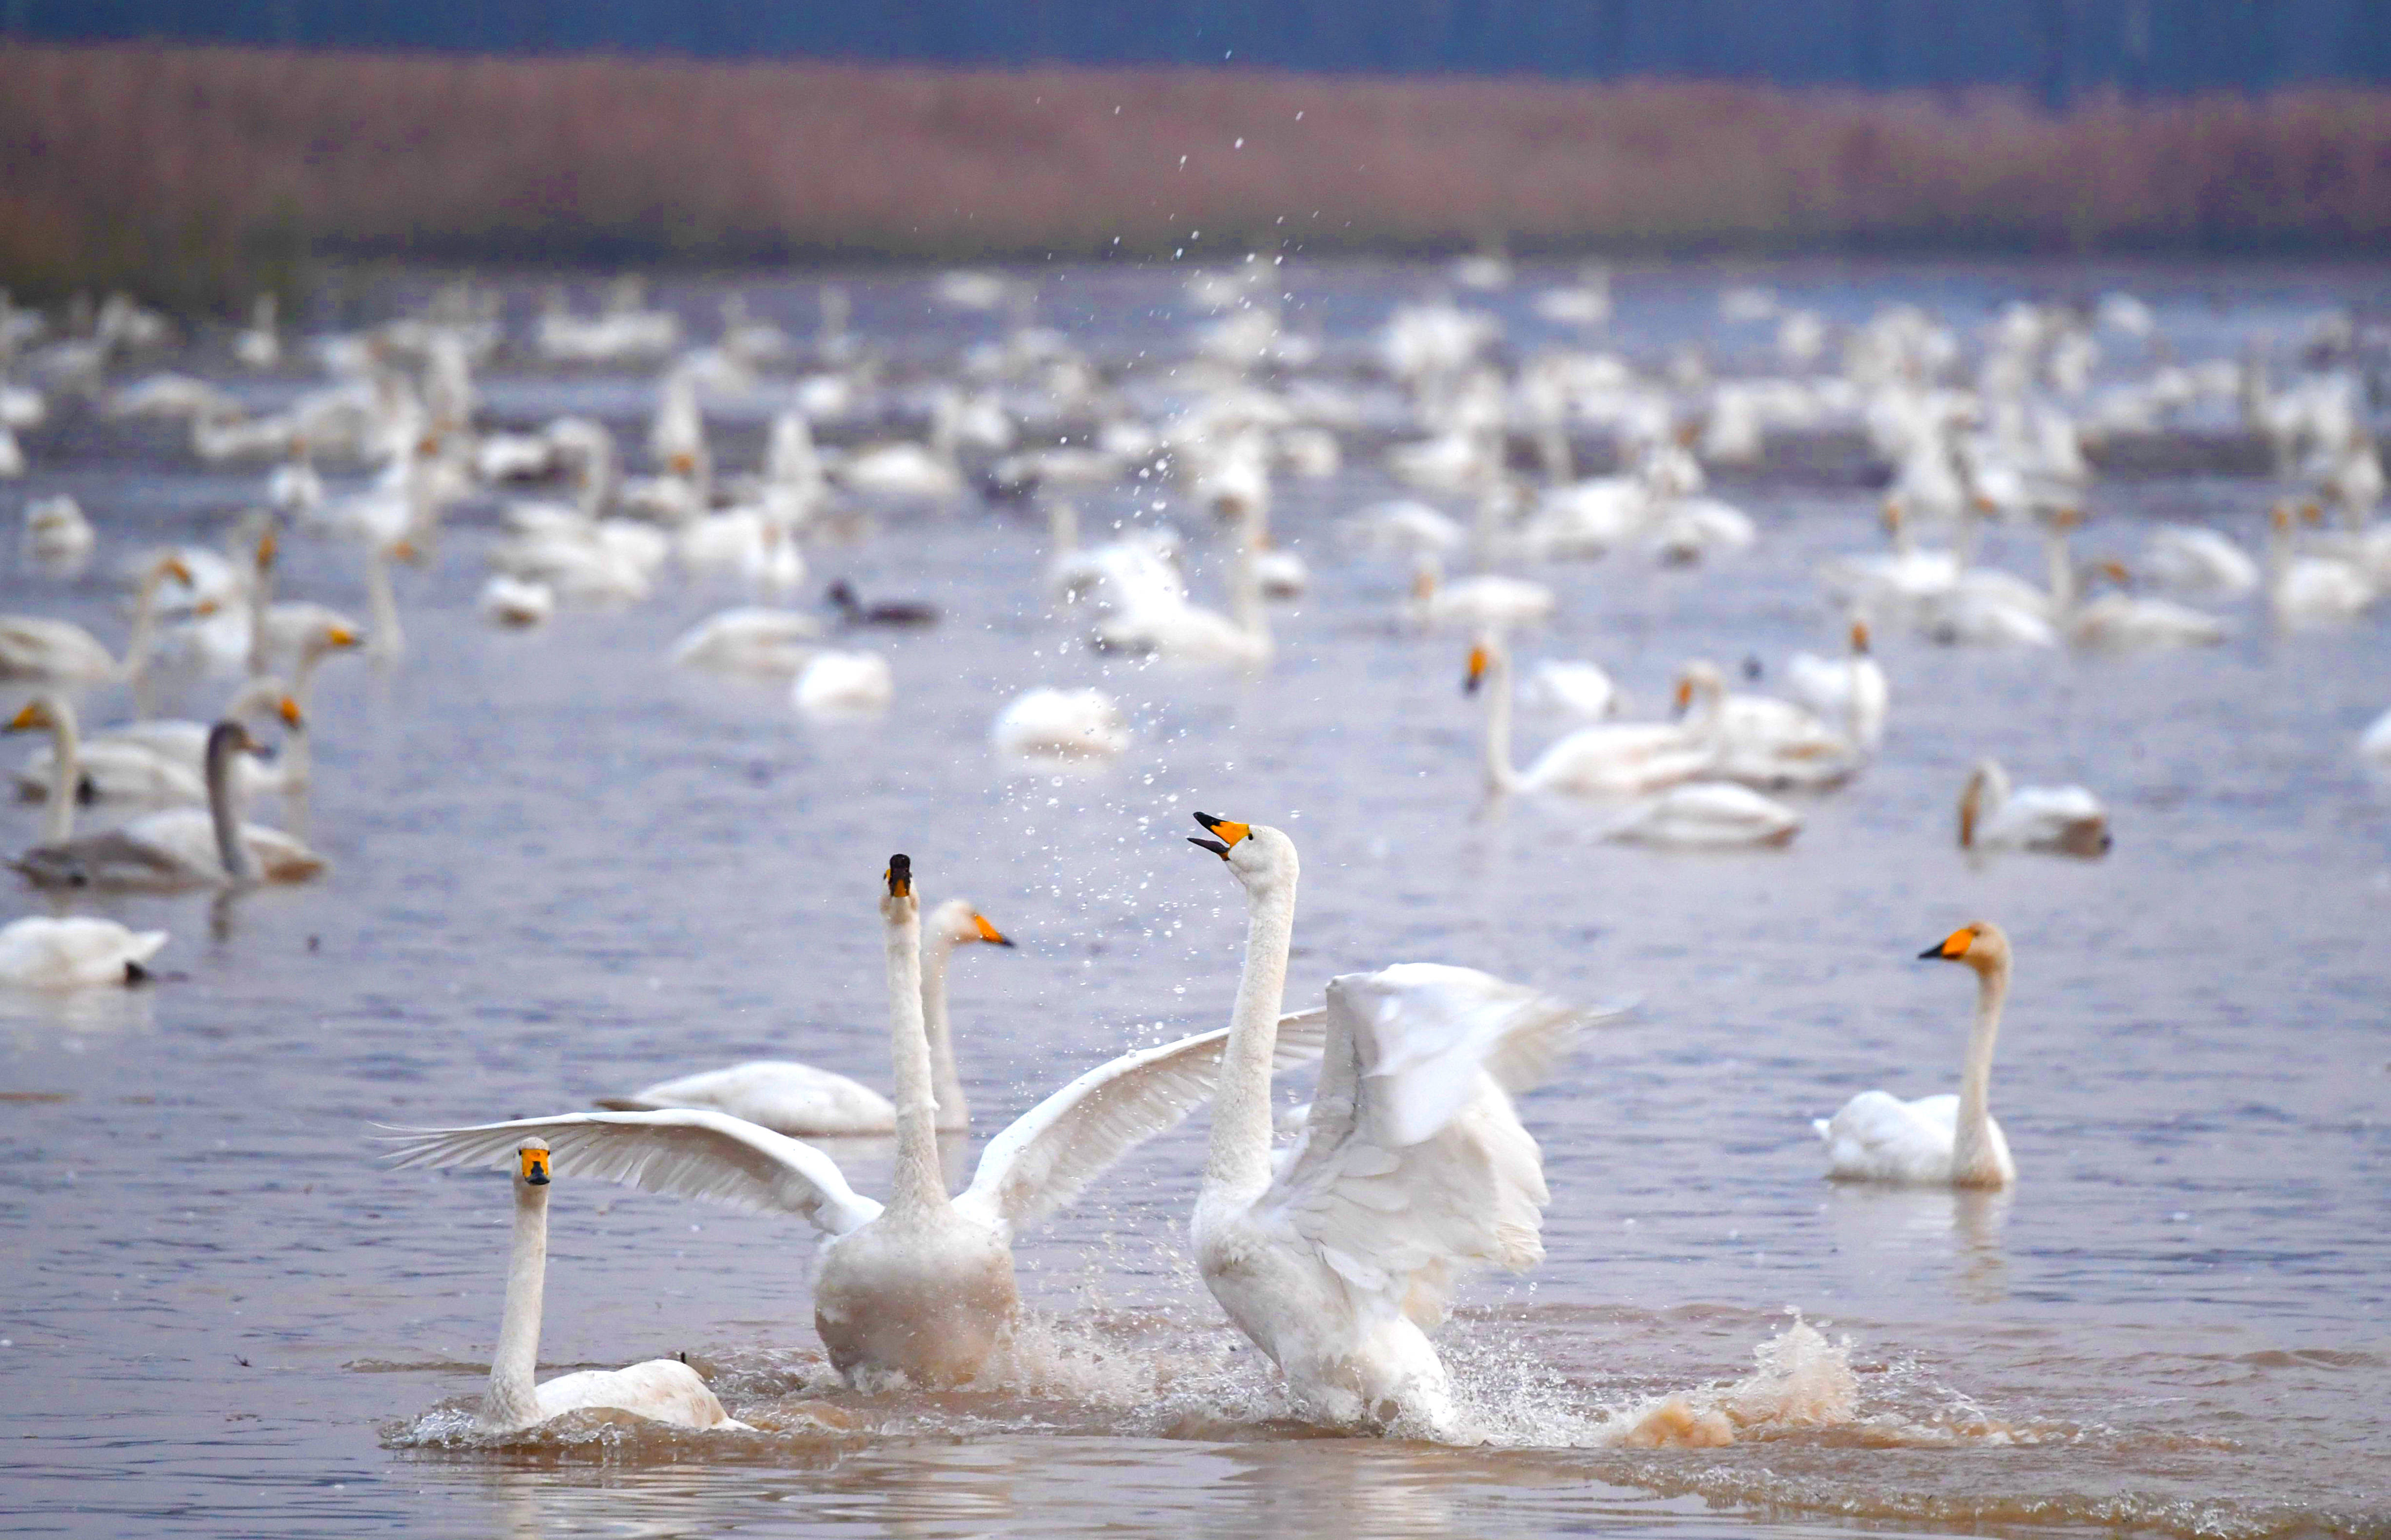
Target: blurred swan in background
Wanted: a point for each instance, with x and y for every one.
(749, 640)
(925, 1288)
(1046, 723)
(39, 952)
(843, 684)
(180, 847)
(1849, 692)
(1941, 1140)
(1610, 759)
(2059, 820)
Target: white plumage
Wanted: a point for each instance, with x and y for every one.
(38, 952)
(1061, 724)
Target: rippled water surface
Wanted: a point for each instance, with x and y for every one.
(564, 870)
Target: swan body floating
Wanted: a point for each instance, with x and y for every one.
(1609, 759)
(1935, 1141)
(1573, 688)
(922, 1287)
(1488, 600)
(35, 648)
(2311, 590)
(1412, 1171)
(662, 1389)
(1707, 814)
(843, 684)
(152, 761)
(38, 952)
(1046, 723)
(516, 604)
(178, 848)
(2193, 559)
(1189, 634)
(57, 539)
(1849, 692)
(803, 1102)
(1759, 740)
(749, 640)
(2118, 621)
(2059, 820)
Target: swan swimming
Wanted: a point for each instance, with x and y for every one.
(1938, 1140)
(663, 1390)
(922, 1287)
(1411, 1170)
(1609, 759)
(807, 1103)
(38, 952)
(2058, 820)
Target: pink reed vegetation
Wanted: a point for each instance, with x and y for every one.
(196, 175)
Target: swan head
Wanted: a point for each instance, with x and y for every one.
(1987, 783)
(957, 922)
(531, 1162)
(1698, 681)
(899, 904)
(1258, 855)
(1983, 945)
(42, 711)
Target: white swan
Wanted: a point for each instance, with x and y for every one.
(180, 847)
(514, 603)
(59, 652)
(1758, 739)
(1046, 723)
(1609, 759)
(749, 640)
(155, 761)
(1138, 571)
(57, 539)
(1489, 598)
(923, 1288)
(2061, 820)
(1850, 692)
(1181, 632)
(38, 952)
(842, 684)
(1940, 1141)
(2194, 559)
(1573, 688)
(662, 1389)
(803, 1102)
(1412, 1169)
(1707, 814)
(2310, 591)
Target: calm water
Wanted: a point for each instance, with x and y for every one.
(564, 870)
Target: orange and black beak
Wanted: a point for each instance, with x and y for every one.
(989, 933)
(534, 1166)
(899, 876)
(1477, 674)
(1230, 834)
(1952, 946)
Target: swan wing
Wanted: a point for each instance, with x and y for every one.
(1413, 1168)
(1052, 1151)
(684, 1151)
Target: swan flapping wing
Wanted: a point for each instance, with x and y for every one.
(684, 1151)
(1052, 1151)
(1414, 1167)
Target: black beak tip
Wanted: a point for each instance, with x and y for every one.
(1212, 845)
(1930, 953)
(1004, 940)
(1469, 685)
(1207, 821)
(537, 1179)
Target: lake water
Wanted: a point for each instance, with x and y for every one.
(562, 868)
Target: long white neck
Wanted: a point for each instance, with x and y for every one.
(1237, 1168)
(920, 1185)
(514, 1399)
(144, 636)
(1245, 586)
(1972, 1149)
(230, 847)
(66, 774)
(946, 1084)
(2062, 573)
(1501, 776)
(389, 642)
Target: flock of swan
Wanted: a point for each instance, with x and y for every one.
(1335, 1237)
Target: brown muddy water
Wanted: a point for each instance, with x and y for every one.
(564, 870)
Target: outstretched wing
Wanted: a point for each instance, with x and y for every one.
(1052, 1151)
(1413, 1168)
(684, 1151)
